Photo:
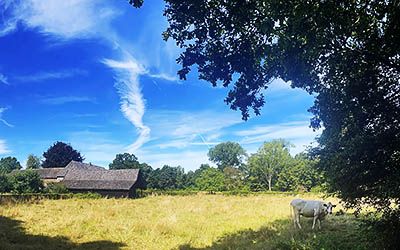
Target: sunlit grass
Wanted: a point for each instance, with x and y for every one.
(173, 222)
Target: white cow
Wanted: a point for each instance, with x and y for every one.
(310, 208)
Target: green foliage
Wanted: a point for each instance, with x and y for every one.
(136, 3)
(234, 178)
(270, 159)
(59, 155)
(88, 195)
(8, 164)
(27, 181)
(299, 175)
(33, 162)
(5, 183)
(167, 178)
(56, 188)
(211, 180)
(227, 154)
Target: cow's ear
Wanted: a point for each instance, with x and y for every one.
(325, 205)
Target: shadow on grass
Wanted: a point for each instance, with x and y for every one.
(13, 236)
(339, 232)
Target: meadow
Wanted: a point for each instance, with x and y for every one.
(173, 222)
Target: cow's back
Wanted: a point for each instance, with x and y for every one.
(310, 208)
(298, 204)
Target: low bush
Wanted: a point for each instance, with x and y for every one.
(27, 181)
(5, 183)
(88, 195)
(56, 188)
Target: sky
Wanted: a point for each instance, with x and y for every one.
(97, 74)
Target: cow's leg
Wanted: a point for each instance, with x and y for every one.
(314, 220)
(298, 220)
(294, 217)
(319, 224)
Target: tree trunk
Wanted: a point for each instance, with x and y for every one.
(269, 183)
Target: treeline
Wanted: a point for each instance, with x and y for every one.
(270, 168)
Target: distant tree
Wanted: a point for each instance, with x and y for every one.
(8, 164)
(27, 181)
(125, 161)
(130, 161)
(190, 177)
(211, 180)
(268, 162)
(233, 178)
(167, 178)
(60, 154)
(227, 154)
(5, 183)
(299, 175)
(33, 162)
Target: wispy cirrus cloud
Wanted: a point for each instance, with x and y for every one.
(43, 76)
(3, 120)
(297, 132)
(132, 103)
(3, 147)
(3, 79)
(67, 99)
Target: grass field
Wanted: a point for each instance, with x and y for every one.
(172, 222)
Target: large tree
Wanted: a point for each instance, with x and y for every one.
(347, 53)
(8, 164)
(60, 154)
(227, 154)
(270, 159)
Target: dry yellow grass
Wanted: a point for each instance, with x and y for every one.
(162, 222)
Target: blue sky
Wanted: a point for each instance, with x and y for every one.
(98, 75)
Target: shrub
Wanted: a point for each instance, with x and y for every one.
(5, 183)
(27, 181)
(56, 188)
(88, 195)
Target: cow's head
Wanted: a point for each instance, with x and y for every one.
(329, 206)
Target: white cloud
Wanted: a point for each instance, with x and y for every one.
(3, 79)
(298, 133)
(3, 147)
(63, 19)
(66, 99)
(164, 76)
(180, 129)
(2, 120)
(43, 76)
(132, 101)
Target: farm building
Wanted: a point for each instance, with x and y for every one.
(81, 177)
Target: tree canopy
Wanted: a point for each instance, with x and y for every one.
(8, 164)
(60, 154)
(269, 161)
(227, 154)
(33, 162)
